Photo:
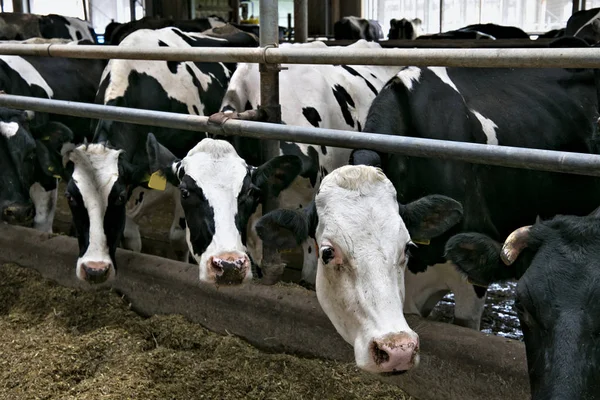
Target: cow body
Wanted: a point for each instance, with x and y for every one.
(584, 24)
(557, 298)
(34, 187)
(181, 87)
(324, 96)
(532, 108)
(354, 28)
(17, 26)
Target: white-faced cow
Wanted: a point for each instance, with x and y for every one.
(323, 96)
(557, 265)
(31, 143)
(405, 29)
(106, 171)
(355, 28)
(18, 26)
(364, 242)
(218, 192)
(551, 109)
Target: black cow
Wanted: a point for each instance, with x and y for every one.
(404, 28)
(556, 263)
(481, 31)
(552, 34)
(31, 143)
(17, 26)
(117, 33)
(585, 24)
(105, 172)
(355, 28)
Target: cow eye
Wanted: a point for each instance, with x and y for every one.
(70, 199)
(253, 191)
(184, 193)
(327, 254)
(122, 198)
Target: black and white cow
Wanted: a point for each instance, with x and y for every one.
(105, 172)
(324, 96)
(18, 26)
(481, 31)
(585, 24)
(364, 239)
(556, 263)
(355, 28)
(32, 142)
(405, 29)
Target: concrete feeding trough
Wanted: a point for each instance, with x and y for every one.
(456, 363)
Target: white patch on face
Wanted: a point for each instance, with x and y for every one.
(45, 207)
(78, 25)
(219, 172)
(489, 128)
(8, 129)
(96, 171)
(179, 86)
(363, 297)
(442, 73)
(27, 72)
(409, 75)
(590, 21)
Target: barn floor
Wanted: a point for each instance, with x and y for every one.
(64, 343)
(499, 318)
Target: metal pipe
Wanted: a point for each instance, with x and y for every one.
(485, 58)
(272, 265)
(300, 21)
(505, 156)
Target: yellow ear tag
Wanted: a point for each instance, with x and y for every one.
(51, 168)
(157, 181)
(45, 138)
(56, 176)
(423, 242)
(146, 178)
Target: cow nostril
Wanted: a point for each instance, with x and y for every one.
(9, 212)
(379, 355)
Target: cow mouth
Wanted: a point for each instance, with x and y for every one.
(393, 373)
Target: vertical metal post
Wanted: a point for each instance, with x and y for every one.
(132, 9)
(235, 11)
(17, 6)
(300, 21)
(85, 13)
(441, 14)
(2, 5)
(575, 6)
(272, 265)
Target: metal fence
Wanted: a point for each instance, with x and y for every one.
(269, 55)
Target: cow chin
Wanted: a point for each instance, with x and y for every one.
(228, 268)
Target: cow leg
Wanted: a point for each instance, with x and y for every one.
(177, 233)
(45, 207)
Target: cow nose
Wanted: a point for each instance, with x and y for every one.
(230, 269)
(18, 214)
(395, 352)
(96, 271)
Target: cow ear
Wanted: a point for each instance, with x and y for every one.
(477, 256)
(277, 174)
(365, 157)
(49, 162)
(431, 216)
(161, 160)
(53, 135)
(286, 229)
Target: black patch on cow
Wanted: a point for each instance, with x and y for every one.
(358, 126)
(312, 116)
(227, 108)
(196, 109)
(354, 72)
(173, 65)
(247, 202)
(140, 198)
(200, 215)
(324, 149)
(162, 44)
(78, 35)
(344, 100)
(480, 291)
(309, 249)
(212, 96)
(182, 223)
(310, 163)
(248, 106)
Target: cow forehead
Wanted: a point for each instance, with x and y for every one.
(96, 169)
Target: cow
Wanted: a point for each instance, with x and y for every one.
(219, 192)
(17, 26)
(364, 244)
(34, 140)
(405, 29)
(323, 96)
(354, 28)
(557, 298)
(116, 34)
(481, 31)
(552, 34)
(104, 173)
(585, 24)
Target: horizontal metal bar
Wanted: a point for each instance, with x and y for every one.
(488, 58)
(516, 157)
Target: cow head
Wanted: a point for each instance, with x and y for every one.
(219, 192)
(404, 28)
(96, 193)
(557, 266)
(25, 158)
(364, 240)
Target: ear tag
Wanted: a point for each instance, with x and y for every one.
(157, 181)
(423, 242)
(45, 138)
(51, 168)
(56, 176)
(476, 284)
